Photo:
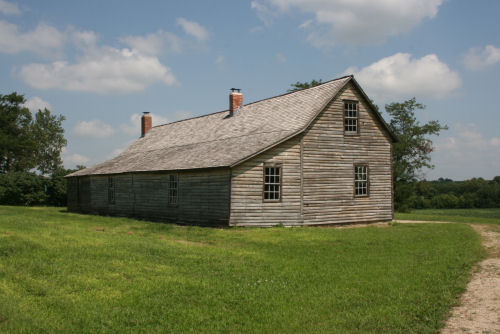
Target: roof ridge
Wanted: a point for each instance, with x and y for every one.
(268, 98)
(300, 90)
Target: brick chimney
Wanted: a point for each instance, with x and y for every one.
(235, 100)
(146, 123)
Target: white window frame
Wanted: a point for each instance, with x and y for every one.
(361, 180)
(351, 117)
(272, 182)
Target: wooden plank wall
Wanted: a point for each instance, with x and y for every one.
(328, 161)
(247, 206)
(71, 190)
(79, 196)
(203, 196)
(318, 174)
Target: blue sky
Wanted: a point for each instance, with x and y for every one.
(102, 63)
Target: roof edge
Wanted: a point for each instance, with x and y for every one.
(304, 127)
(370, 104)
(244, 105)
(376, 112)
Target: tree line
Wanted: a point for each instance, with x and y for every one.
(448, 194)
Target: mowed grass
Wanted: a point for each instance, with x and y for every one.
(483, 216)
(69, 273)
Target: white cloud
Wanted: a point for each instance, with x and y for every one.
(478, 58)
(82, 39)
(154, 44)
(9, 8)
(305, 24)
(133, 127)
(466, 153)
(75, 159)
(35, 103)
(219, 60)
(194, 29)
(44, 40)
(401, 76)
(100, 70)
(264, 14)
(280, 57)
(353, 22)
(94, 129)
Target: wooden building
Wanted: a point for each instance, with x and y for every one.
(320, 155)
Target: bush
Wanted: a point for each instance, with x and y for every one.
(22, 188)
(445, 201)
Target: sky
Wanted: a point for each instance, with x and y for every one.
(102, 64)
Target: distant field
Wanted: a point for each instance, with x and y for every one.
(486, 216)
(69, 273)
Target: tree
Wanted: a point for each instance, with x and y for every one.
(48, 132)
(27, 142)
(17, 143)
(303, 85)
(412, 152)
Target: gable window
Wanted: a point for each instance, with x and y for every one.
(272, 183)
(111, 190)
(172, 189)
(350, 117)
(361, 180)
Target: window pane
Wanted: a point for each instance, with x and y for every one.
(172, 189)
(360, 180)
(272, 182)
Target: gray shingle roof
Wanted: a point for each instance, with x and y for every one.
(216, 140)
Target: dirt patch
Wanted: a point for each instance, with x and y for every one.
(479, 310)
(381, 224)
(191, 243)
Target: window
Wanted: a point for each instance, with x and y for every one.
(172, 189)
(111, 190)
(77, 181)
(351, 117)
(361, 180)
(272, 182)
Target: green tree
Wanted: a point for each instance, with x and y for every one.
(303, 85)
(17, 144)
(28, 142)
(413, 150)
(48, 132)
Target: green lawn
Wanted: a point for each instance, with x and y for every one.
(69, 273)
(485, 216)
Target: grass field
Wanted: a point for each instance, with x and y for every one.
(483, 216)
(69, 273)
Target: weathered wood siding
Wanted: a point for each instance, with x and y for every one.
(247, 206)
(318, 173)
(79, 196)
(203, 196)
(329, 156)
